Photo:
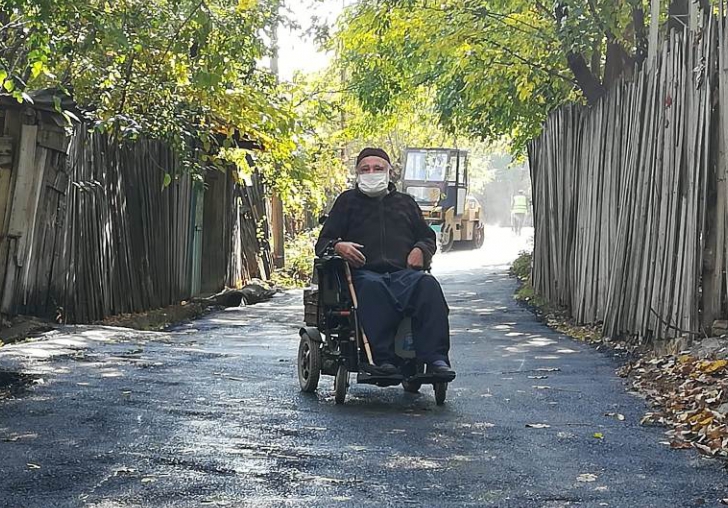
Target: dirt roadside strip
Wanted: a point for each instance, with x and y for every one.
(27, 327)
(687, 389)
(20, 328)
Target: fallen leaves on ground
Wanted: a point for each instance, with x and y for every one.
(589, 334)
(159, 319)
(691, 395)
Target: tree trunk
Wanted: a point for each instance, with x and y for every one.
(618, 64)
(596, 58)
(640, 33)
(589, 84)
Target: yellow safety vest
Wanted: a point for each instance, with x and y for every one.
(520, 204)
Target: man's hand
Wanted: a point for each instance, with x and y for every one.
(351, 253)
(416, 259)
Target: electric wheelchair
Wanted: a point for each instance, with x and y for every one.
(334, 343)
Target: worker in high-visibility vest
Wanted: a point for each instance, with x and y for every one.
(519, 209)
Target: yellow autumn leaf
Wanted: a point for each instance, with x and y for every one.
(705, 422)
(246, 5)
(700, 417)
(714, 366)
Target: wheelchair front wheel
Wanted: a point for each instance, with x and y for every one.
(341, 384)
(309, 364)
(440, 393)
(414, 386)
(411, 386)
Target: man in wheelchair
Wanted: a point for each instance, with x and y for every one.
(382, 235)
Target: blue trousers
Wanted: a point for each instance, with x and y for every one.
(386, 298)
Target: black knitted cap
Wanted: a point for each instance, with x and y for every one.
(372, 152)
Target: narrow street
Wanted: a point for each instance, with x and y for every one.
(210, 414)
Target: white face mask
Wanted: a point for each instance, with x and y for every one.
(373, 184)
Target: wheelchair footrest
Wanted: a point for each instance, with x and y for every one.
(429, 379)
(375, 379)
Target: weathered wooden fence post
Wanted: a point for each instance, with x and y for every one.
(22, 208)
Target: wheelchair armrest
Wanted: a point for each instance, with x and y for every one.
(329, 277)
(329, 250)
(328, 258)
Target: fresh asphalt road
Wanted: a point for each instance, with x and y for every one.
(210, 414)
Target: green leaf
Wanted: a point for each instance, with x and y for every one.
(36, 69)
(167, 180)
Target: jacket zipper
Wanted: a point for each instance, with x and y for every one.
(382, 229)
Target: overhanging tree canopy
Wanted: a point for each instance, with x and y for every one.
(186, 71)
(496, 67)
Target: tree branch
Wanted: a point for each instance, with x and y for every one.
(590, 84)
(174, 38)
(600, 22)
(528, 62)
(502, 17)
(322, 91)
(127, 81)
(497, 16)
(545, 10)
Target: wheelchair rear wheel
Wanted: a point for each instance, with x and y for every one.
(341, 384)
(309, 364)
(440, 393)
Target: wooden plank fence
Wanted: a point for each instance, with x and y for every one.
(99, 235)
(624, 202)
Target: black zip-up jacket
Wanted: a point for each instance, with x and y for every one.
(388, 227)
